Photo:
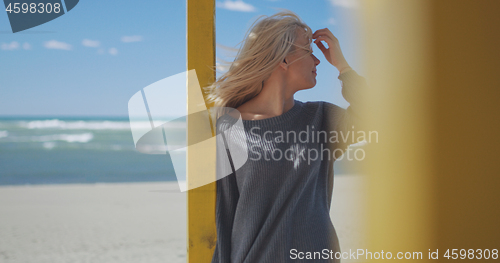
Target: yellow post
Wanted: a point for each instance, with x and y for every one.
(399, 67)
(466, 105)
(200, 201)
(433, 175)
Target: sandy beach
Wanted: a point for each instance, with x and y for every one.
(127, 222)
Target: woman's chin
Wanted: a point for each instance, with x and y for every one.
(309, 87)
(313, 84)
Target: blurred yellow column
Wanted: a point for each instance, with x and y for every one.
(200, 201)
(434, 178)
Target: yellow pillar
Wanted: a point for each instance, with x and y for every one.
(200, 201)
(435, 91)
(466, 104)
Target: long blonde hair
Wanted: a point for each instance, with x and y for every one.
(268, 41)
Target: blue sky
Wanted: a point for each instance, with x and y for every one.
(90, 61)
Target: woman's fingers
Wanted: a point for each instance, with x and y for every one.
(326, 51)
(328, 39)
(321, 31)
(325, 35)
(333, 53)
(321, 46)
(324, 38)
(324, 32)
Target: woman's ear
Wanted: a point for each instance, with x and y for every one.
(284, 64)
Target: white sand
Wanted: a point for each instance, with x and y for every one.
(135, 222)
(348, 212)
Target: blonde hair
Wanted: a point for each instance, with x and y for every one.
(268, 41)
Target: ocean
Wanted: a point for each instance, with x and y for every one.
(66, 150)
(71, 150)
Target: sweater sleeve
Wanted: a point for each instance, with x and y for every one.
(227, 195)
(347, 122)
(227, 198)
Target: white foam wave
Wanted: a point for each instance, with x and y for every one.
(4, 134)
(49, 145)
(160, 148)
(71, 138)
(81, 138)
(92, 125)
(76, 125)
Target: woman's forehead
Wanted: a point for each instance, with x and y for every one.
(302, 37)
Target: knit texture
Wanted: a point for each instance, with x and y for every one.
(278, 203)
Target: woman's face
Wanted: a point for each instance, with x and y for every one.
(301, 72)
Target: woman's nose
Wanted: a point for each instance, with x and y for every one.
(316, 60)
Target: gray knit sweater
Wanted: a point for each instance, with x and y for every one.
(277, 204)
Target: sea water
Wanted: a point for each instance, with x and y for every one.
(60, 150)
(65, 150)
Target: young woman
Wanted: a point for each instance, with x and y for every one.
(275, 208)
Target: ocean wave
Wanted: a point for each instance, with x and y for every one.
(92, 125)
(4, 134)
(71, 138)
(81, 138)
(49, 145)
(76, 125)
(160, 148)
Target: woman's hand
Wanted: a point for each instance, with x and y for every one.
(333, 53)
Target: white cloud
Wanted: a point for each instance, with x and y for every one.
(91, 43)
(331, 21)
(345, 3)
(10, 46)
(129, 39)
(26, 46)
(237, 5)
(113, 51)
(221, 67)
(54, 44)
